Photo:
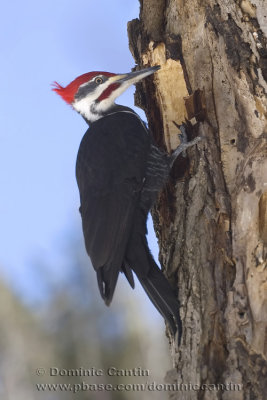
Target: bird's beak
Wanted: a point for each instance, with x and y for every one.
(135, 76)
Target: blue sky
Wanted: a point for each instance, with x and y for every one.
(41, 42)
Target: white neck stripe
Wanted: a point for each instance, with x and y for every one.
(129, 112)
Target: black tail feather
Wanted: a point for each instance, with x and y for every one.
(161, 294)
(155, 284)
(128, 273)
(107, 279)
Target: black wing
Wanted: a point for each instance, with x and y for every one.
(110, 171)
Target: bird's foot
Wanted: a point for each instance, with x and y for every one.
(184, 144)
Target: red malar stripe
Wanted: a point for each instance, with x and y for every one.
(107, 92)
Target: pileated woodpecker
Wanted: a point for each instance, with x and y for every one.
(119, 172)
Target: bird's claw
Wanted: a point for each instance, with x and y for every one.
(184, 143)
(182, 136)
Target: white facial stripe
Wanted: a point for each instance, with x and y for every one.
(92, 110)
(106, 103)
(83, 106)
(86, 83)
(91, 80)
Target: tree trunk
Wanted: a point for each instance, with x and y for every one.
(211, 219)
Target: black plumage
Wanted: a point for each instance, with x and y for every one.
(119, 173)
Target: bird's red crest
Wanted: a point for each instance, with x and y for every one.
(67, 93)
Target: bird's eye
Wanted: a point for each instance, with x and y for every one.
(98, 80)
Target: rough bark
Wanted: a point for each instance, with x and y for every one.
(211, 219)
